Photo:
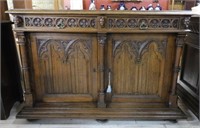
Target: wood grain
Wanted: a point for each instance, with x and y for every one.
(64, 65)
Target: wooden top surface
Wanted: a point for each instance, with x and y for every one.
(86, 12)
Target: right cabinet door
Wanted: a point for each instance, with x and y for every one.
(141, 67)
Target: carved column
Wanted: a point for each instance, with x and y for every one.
(179, 48)
(22, 51)
(101, 68)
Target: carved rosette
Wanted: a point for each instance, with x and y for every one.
(154, 23)
(48, 22)
(60, 22)
(72, 22)
(37, 22)
(132, 23)
(84, 23)
(120, 23)
(166, 23)
(138, 48)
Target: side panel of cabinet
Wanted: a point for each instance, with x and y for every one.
(141, 67)
(63, 67)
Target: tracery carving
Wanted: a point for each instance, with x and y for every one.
(138, 48)
(90, 22)
(60, 23)
(64, 48)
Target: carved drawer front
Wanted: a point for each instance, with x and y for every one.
(59, 22)
(62, 66)
(145, 23)
(138, 66)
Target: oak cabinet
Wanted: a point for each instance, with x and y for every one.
(188, 81)
(69, 59)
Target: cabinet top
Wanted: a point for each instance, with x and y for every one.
(101, 21)
(86, 12)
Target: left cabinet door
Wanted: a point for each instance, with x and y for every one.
(64, 67)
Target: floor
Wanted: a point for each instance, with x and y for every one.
(12, 122)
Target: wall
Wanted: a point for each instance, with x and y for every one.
(86, 3)
(28, 4)
(3, 8)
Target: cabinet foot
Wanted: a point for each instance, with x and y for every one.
(172, 120)
(32, 120)
(102, 120)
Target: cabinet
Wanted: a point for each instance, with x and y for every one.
(188, 88)
(69, 58)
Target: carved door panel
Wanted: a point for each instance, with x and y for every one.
(139, 66)
(63, 67)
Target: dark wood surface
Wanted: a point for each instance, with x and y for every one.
(188, 88)
(66, 57)
(10, 72)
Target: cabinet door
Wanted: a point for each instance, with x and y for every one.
(141, 69)
(63, 67)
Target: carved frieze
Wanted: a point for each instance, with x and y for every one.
(157, 23)
(60, 22)
(139, 23)
(138, 48)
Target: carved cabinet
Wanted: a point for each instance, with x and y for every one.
(100, 64)
(188, 81)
